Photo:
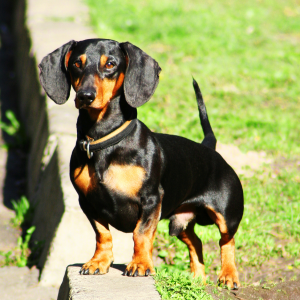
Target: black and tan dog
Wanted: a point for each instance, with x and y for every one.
(129, 177)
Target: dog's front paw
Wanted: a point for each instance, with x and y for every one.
(140, 267)
(96, 266)
(229, 277)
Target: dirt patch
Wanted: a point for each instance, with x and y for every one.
(243, 163)
(277, 278)
(281, 291)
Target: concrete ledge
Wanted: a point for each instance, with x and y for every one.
(109, 286)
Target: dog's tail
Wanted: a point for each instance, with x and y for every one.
(209, 137)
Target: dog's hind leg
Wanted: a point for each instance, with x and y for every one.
(228, 274)
(194, 244)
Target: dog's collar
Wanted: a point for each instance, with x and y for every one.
(90, 145)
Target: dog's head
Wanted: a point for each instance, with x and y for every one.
(99, 70)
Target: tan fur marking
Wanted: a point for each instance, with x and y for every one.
(118, 85)
(217, 218)
(67, 57)
(76, 84)
(143, 238)
(96, 114)
(103, 60)
(103, 237)
(125, 179)
(83, 178)
(103, 254)
(83, 59)
(228, 274)
(106, 90)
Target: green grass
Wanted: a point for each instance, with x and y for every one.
(14, 129)
(23, 210)
(23, 217)
(179, 285)
(245, 56)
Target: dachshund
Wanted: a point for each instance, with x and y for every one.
(130, 177)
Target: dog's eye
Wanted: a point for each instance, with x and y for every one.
(78, 63)
(109, 65)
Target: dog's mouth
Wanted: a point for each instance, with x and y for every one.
(79, 105)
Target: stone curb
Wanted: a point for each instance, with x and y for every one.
(106, 287)
(40, 27)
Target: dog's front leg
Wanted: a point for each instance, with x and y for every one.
(143, 236)
(103, 257)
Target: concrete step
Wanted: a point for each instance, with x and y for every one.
(112, 285)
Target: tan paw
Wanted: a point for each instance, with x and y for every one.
(96, 267)
(140, 267)
(229, 277)
(199, 273)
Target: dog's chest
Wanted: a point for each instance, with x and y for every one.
(118, 179)
(126, 180)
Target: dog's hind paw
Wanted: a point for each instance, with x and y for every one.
(229, 277)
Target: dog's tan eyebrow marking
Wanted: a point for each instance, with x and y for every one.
(103, 60)
(83, 59)
(125, 179)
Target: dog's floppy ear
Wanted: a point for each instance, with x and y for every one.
(141, 77)
(53, 74)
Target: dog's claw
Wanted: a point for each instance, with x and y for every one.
(135, 273)
(147, 272)
(86, 272)
(96, 272)
(235, 287)
(125, 273)
(130, 273)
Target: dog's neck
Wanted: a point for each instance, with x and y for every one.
(117, 113)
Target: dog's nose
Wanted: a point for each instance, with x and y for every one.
(86, 97)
